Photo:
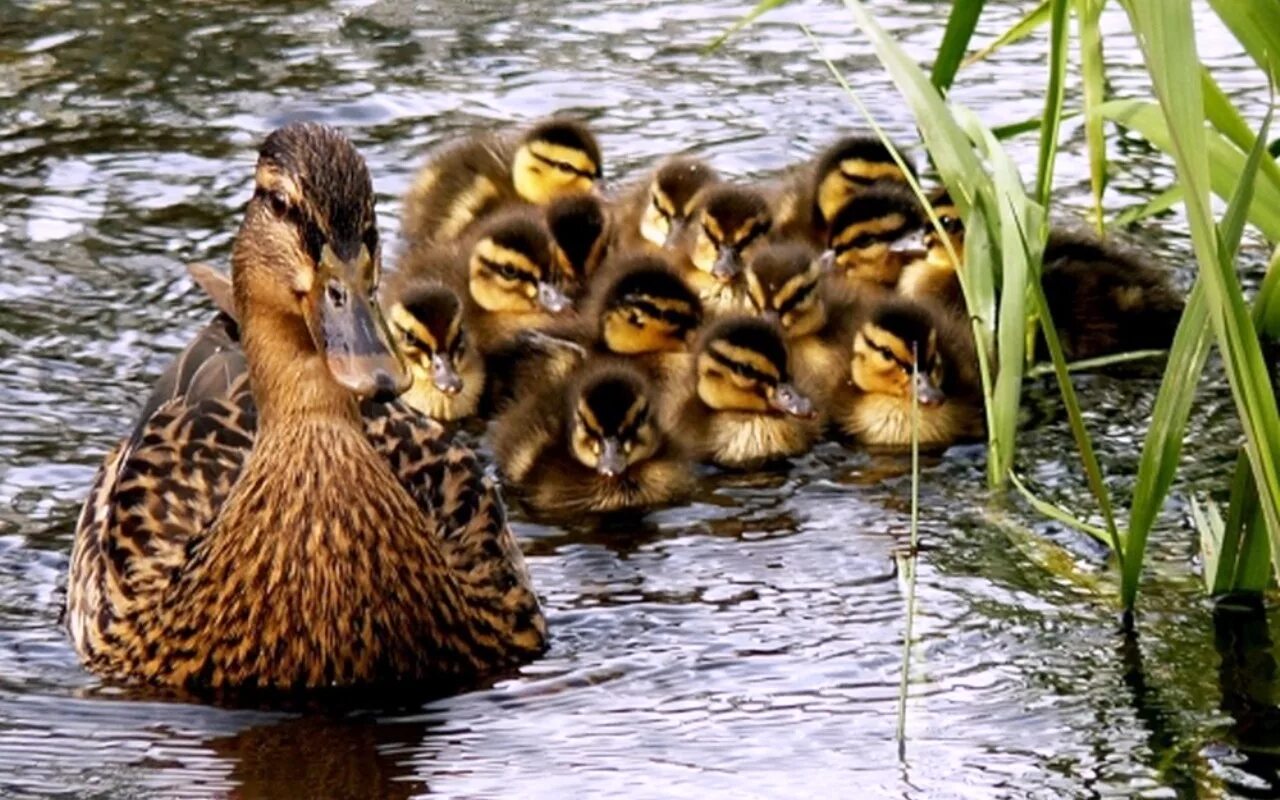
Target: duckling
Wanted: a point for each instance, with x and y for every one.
(466, 180)
(579, 225)
(874, 408)
(743, 411)
(645, 314)
(426, 318)
(785, 285)
(932, 274)
(591, 444)
(507, 274)
(806, 201)
(654, 212)
(729, 225)
(255, 531)
(873, 235)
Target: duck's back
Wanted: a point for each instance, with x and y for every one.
(461, 183)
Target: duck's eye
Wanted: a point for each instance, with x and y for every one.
(635, 318)
(279, 202)
(509, 272)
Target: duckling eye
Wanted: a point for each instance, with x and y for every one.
(863, 241)
(507, 271)
(711, 237)
(657, 206)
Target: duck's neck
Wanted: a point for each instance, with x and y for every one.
(289, 377)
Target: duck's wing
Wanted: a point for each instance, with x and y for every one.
(161, 489)
(451, 487)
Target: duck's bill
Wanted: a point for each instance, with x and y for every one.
(444, 376)
(612, 462)
(910, 244)
(788, 399)
(726, 265)
(349, 328)
(552, 298)
(927, 392)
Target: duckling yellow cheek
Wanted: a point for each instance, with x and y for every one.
(704, 253)
(654, 227)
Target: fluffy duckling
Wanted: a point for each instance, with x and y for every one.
(808, 199)
(592, 444)
(874, 235)
(466, 180)
(656, 210)
(785, 285)
(426, 318)
(743, 410)
(579, 225)
(932, 273)
(874, 408)
(729, 225)
(508, 276)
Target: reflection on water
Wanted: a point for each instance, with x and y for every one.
(748, 643)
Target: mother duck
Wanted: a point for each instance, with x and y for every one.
(257, 530)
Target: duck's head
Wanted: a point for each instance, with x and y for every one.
(875, 233)
(613, 426)
(557, 156)
(512, 267)
(952, 223)
(742, 365)
(784, 286)
(848, 167)
(899, 337)
(579, 227)
(672, 197)
(308, 253)
(648, 309)
(427, 319)
(732, 222)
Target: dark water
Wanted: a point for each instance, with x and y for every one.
(747, 644)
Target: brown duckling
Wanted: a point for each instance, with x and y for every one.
(874, 408)
(448, 372)
(591, 444)
(931, 273)
(255, 531)
(785, 284)
(742, 410)
(874, 235)
(580, 228)
(807, 200)
(507, 274)
(466, 180)
(654, 212)
(729, 225)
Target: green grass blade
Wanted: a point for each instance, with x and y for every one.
(1256, 26)
(1244, 557)
(1054, 96)
(1226, 162)
(955, 41)
(1093, 80)
(1213, 545)
(1166, 33)
(760, 9)
(1021, 29)
(1267, 306)
(1228, 121)
(1157, 205)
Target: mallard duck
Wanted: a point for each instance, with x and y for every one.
(466, 180)
(729, 224)
(506, 272)
(591, 443)
(873, 235)
(874, 408)
(643, 313)
(448, 371)
(785, 284)
(741, 409)
(932, 274)
(654, 212)
(579, 225)
(806, 200)
(254, 531)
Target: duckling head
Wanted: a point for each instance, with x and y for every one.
(648, 309)
(742, 366)
(308, 257)
(898, 339)
(613, 423)
(557, 156)
(427, 318)
(512, 267)
(951, 222)
(579, 227)
(848, 167)
(875, 233)
(784, 286)
(673, 194)
(732, 223)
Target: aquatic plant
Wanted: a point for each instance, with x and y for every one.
(1215, 152)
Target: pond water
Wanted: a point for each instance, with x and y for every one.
(748, 644)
